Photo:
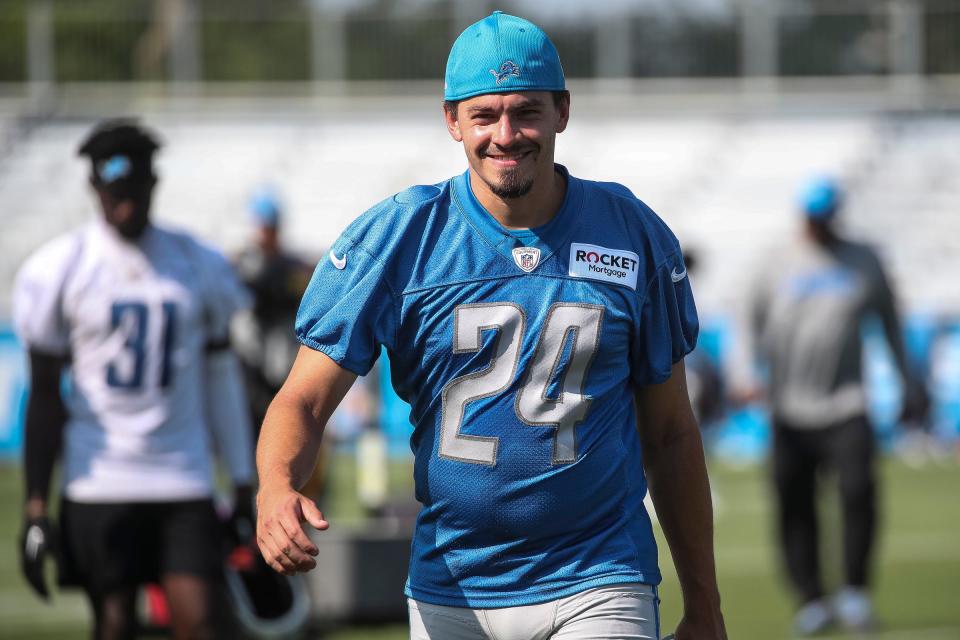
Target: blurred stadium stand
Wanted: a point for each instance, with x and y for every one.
(726, 184)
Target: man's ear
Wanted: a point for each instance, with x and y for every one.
(453, 124)
(564, 111)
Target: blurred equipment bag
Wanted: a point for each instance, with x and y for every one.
(266, 603)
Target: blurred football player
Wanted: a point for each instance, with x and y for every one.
(276, 278)
(807, 314)
(263, 335)
(537, 324)
(137, 316)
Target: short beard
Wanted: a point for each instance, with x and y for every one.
(512, 185)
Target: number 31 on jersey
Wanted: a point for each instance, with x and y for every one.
(128, 370)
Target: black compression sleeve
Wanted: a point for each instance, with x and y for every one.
(43, 428)
(218, 344)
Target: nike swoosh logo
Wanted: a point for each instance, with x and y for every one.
(339, 263)
(677, 276)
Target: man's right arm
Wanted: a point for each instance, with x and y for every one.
(43, 436)
(43, 430)
(742, 363)
(286, 455)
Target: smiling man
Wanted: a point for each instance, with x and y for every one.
(537, 325)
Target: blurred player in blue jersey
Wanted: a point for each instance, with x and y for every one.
(537, 324)
(137, 315)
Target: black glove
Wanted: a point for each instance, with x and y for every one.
(36, 542)
(243, 522)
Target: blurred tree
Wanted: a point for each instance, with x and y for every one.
(154, 45)
(262, 40)
(96, 40)
(942, 40)
(13, 34)
(833, 43)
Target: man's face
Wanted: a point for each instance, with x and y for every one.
(509, 138)
(127, 212)
(268, 237)
(822, 230)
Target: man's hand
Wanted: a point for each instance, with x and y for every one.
(284, 544)
(286, 455)
(743, 397)
(677, 479)
(35, 542)
(916, 404)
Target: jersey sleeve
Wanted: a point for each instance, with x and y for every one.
(38, 315)
(348, 310)
(668, 324)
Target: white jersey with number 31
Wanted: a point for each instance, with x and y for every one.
(135, 319)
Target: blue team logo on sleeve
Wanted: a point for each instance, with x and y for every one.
(507, 70)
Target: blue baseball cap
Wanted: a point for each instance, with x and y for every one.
(265, 208)
(502, 54)
(821, 198)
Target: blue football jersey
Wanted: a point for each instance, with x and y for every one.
(518, 353)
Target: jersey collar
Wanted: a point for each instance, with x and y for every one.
(547, 238)
(111, 235)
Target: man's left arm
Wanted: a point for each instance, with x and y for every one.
(232, 430)
(915, 398)
(676, 472)
(226, 406)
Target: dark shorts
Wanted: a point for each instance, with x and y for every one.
(108, 546)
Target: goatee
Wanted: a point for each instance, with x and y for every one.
(512, 185)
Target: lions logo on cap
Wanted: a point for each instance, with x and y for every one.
(507, 69)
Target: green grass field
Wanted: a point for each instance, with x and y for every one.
(917, 585)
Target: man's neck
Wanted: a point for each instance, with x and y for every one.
(534, 209)
(822, 235)
(269, 249)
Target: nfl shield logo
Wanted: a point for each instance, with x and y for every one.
(527, 258)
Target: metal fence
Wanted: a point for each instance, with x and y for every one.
(62, 41)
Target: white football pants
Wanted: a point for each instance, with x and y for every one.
(622, 611)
